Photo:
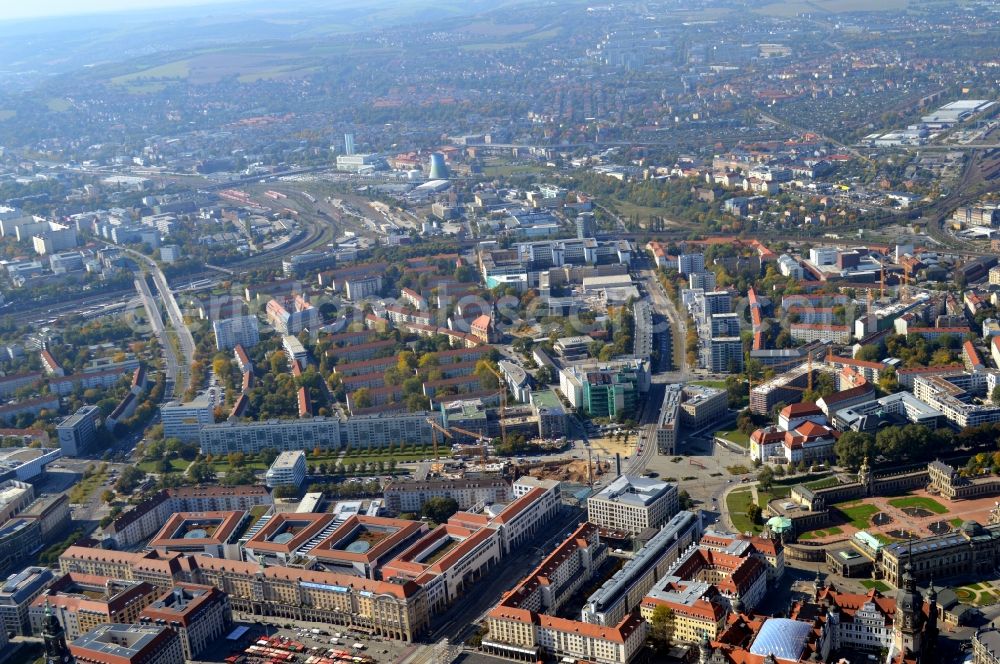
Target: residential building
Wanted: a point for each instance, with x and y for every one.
(807, 332)
(289, 469)
(633, 504)
(238, 331)
(724, 325)
(128, 644)
(702, 280)
(389, 609)
(294, 350)
(725, 355)
(78, 432)
(410, 496)
(362, 286)
(199, 614)
(305, 433)
(302, 315)
(690, 264)
(82, 602)
(698, 608)
(184, 421)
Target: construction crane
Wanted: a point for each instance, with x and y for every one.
(906, 281)
(503, 402)
(435, 427)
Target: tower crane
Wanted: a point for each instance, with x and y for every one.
(435, 427)
(503, 401)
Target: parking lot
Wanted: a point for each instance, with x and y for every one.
(316, 637)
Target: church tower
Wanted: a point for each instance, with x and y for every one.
(54, 637)
(907, 625)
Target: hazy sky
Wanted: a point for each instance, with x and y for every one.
(35, 8)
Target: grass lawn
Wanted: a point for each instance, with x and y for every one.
(177, 465)
(737, 470)
(736, 437)
(955, 522)
(222, 465)
(880, 586)
(824, 483)
(81, 492)
(737, 503)
(859, 514)
(400, 457)
(820, 532)
(720, 384)
(776, 492)
(928, 504)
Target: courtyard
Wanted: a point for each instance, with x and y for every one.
(893, 518)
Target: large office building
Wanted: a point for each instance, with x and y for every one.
(359, 163)
(128, 644)
(605, 389)
(16, 595)
(633, 504)
(620, 595)
(237, 331)
(78, 432)
(953, 394)
(199, 614)
(702, 405)
(668, 423)
(526, 624)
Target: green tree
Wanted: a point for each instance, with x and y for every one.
(239, 477)
(661, 628)
(754, 512)
(765, 478)
(852, 447)
(285, 491)
(201, 472)
(439, 509)
(129, 479)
